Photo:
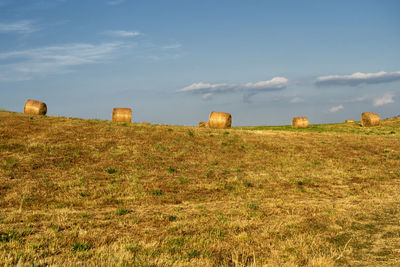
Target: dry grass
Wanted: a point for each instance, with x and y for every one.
(87, 191)
(203, 124)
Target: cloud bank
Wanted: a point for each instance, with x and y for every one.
(115, 2)
(20, 27)
(207, 90)
(122, 33)
(357, 99)
(358, 78)
(387, 98)
(26, 64)
(172, 46)
(296, 99)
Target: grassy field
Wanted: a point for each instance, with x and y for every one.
(89, 191)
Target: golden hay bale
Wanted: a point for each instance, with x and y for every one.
(392, 119)
(34, 107)
(370, 119)
(395, 118)
(122, 115)
(300, 122)
(349, 121)
(203, 124)
(220, 120)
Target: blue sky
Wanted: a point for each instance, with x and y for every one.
(174, 62)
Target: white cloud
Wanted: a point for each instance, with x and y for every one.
(357, 99)
(296, 100)
(172, 46)
(387, 98)
(358, 78)
(249, 89)
(26, 64)
(207, 88)
(21, 27)
(206, 96)
(274, 84)
(115, 2)
(336, 108)
(122, 33)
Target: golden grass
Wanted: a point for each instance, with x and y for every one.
(203, 124)
(78, 191)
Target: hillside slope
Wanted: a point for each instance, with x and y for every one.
(74, 191)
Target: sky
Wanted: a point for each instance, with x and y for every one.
(175, 61)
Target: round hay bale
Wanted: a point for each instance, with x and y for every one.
(300, 122)
(203, 124)
(34, 107)
(349, 121)
(122, 115)
(370, 119)
(220, 120)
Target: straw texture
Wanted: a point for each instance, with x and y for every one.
(122, 115)
(34, 107)
(203, 124)
(220, 120)
(300, 122)
(369, 119)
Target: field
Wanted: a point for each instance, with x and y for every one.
(89, 191)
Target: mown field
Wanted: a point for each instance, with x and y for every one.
(76, 191)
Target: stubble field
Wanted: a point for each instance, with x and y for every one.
(88, 191)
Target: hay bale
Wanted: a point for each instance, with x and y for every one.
(370, 119)
(203, 124)
(220, 120)
(396, 118)
(122, 115)
(34, 107)
(349, 121)
(300, 122)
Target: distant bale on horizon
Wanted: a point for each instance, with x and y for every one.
(300, 122)
(34, 107)
(370, 119)
(395, 118)
(203, 124)
(220, 120)
(349, 121)
(122, 115)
